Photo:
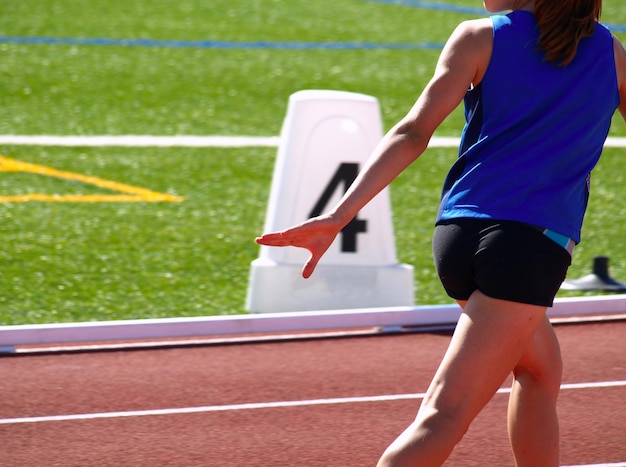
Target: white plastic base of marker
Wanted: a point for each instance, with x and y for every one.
(279, 288)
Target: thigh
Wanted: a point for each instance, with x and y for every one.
(491, 337)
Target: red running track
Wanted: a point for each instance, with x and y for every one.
(337, 419)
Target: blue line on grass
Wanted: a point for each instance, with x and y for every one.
(221, 44)
(209, 44)
(433, 6)
(616, 27)
(461, 9)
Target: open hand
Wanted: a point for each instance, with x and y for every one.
(316, 235)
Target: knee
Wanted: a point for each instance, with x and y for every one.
(541, 365)
(545, 372)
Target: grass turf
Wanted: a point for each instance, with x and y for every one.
(66, 262)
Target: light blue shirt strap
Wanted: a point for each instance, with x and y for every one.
(561, 239)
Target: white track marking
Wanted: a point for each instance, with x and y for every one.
(264, 405)
(617, 464)
(196, 141)
(142, 141)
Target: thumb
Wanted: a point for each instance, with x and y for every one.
(310, 265)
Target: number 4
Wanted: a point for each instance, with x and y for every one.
(346, 173)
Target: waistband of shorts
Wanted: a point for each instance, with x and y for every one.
(564, 241)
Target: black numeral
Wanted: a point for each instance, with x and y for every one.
(346, 174)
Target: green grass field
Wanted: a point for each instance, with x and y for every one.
(74, 261)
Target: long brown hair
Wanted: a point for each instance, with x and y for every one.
(562, 25)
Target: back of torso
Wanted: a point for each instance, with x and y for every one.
(534, 131)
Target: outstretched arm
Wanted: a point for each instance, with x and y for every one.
(461, 64)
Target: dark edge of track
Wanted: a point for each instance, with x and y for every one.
(271, 338)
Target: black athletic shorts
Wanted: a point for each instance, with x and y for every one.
(507, 260)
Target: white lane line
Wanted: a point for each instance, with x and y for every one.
(213, 408)
(197, 141)
(263, 405)
(617, 464)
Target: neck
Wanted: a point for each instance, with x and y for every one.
(527, 5)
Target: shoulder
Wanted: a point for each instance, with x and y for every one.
(471, 38)
(471, 44)
(475, 29)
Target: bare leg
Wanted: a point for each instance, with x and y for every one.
(532, 417)
(490, 339)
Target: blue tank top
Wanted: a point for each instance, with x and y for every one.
(533, 132)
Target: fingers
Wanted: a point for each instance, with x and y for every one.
(295, 236)
(315, 235)
(274, 239)
(278, 239)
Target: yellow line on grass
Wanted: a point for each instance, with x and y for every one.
(130, 193)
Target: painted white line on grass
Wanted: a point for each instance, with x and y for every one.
(197, 141)
(142, 141)
(263, 405)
